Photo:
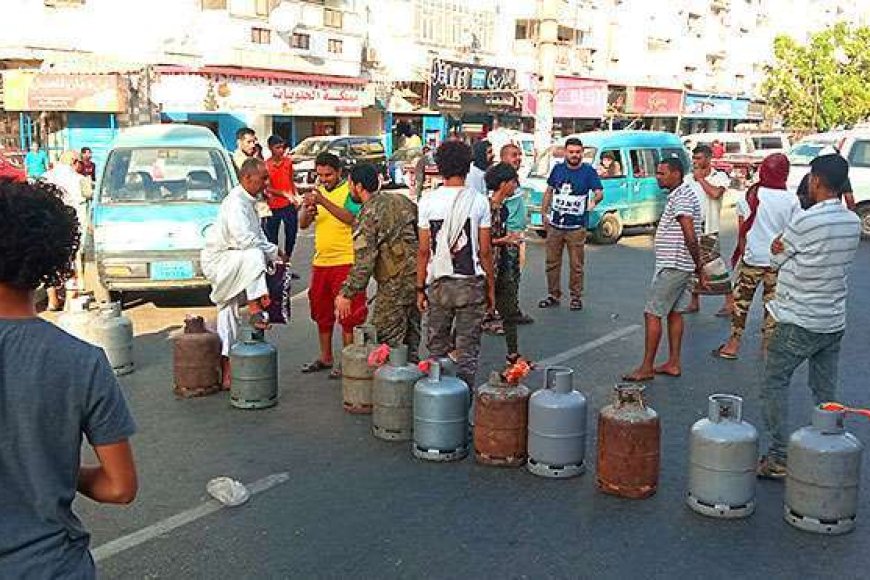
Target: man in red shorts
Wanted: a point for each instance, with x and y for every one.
(332, 211)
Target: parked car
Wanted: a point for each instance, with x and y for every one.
(632, 196)
(741, 159)
(769, 143)
(854, 145)
(159, 192)
(12, 165)
(349, 149)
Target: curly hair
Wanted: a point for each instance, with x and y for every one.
(39, 235)
(453, 159)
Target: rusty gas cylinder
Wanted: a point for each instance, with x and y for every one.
(501, 412)
(628, 445)
(196, 360)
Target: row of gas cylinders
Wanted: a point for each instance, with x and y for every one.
(103, 325)
(546, 431)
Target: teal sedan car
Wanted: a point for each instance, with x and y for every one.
(626, 161)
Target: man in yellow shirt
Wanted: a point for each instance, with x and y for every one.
(332, 211)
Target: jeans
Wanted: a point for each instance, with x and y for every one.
(289, 216)
(790, 346)
(557, 241)
(456, 310)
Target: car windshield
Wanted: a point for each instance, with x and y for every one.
(165, 175)
(803, 153)
(556, 154)
(310, 147)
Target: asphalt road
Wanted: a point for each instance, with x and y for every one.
(352, 505)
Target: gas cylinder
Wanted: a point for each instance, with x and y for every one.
(501, 413)
(440, 415)
(393, 397)
(78, 319)
(557, 426)
(356, 374)
(629, 436)
(824, 468)
(113, 332)
(254, 371)
(196, 360)
(723, 454)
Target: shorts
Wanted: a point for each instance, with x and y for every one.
(670, 291)
(326, 283)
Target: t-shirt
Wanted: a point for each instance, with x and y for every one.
(571, 187)
(281, 179)
(711, 209)
(36, 163)
(670, 244)
(776, 208)
(53, 389)
(333, 239)
(434, 209)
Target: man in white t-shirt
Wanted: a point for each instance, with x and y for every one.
(455, 280)
(710, 186)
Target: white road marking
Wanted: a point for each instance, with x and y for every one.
(171, 523)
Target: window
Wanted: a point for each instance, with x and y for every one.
(263, 7)
(332, 18)
(611, 165)
(859, 156)
(767, 142)
(523, 30)
(335, 46)
(644, 162)
(261, 35)
(214, 4)
(299, 40)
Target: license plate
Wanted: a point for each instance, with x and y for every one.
(175, 270)
(537, 219)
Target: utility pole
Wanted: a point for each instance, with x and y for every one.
(548, 38)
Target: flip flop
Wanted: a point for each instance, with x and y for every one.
(335, 374)
(548, 302)
(314, 367)
(717, 352)
(576, 305)
(631, 378)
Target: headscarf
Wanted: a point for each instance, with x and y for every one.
(773, 172)
(479, 158)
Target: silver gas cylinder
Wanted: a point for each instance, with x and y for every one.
(356, 374)
(723, 454)
(254, 370)
(113, 332)
(824, 468)
(440, 415)
(78, 318)
(557, 427)
(393, 397)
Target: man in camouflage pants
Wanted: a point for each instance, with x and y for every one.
(385, 247)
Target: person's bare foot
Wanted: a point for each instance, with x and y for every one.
(669, 369)
(639, 375)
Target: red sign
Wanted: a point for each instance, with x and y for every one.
(574, 99)
(652, 102)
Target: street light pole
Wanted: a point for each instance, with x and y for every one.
(548, 37)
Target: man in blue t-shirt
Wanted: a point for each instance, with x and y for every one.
(565, 208)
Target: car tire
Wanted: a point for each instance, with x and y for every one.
(863, 211)
(609, 229)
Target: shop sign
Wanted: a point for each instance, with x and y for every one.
(652, 102)
(35, 91)
(471, 88)
(715, 107)
(575, 98)
(193, 93)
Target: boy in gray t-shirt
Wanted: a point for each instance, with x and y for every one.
(53, 389)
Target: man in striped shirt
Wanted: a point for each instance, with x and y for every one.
(678, 258)
(813, 257)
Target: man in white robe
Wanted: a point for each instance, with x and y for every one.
(236, 256)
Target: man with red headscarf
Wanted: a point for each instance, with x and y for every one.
(762, 216)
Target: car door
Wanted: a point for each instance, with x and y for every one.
(644, 190)
(859, 169)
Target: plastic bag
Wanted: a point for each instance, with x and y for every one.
(228, 491)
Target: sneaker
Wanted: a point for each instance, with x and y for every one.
(771, 468)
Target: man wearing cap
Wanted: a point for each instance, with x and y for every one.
(281, 196)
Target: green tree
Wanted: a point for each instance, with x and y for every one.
(823, 83)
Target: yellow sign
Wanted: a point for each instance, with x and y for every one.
(35, 91)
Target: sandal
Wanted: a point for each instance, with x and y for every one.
(315, 367)
(576, 304)
(548, 302)
(335, 374)
(726, 355)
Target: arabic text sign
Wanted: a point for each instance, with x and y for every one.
(575, 98)
(213, 93)
(33, 91)
(473, 88)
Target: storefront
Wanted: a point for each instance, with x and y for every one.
(292, 105)
(643, 108)
(578, 104)
(407, 117)
(474, 99)
(63, 111)
(712, 113)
